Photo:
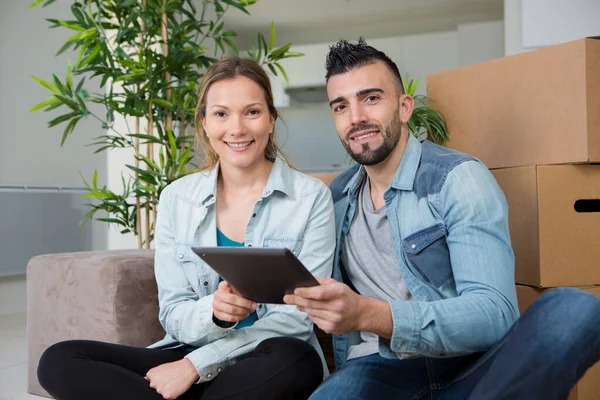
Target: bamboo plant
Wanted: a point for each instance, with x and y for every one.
(148, 57)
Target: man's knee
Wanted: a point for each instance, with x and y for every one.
(567, 315)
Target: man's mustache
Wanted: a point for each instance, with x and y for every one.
(362, 127)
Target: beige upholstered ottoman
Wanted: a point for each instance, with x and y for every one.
(109, 296)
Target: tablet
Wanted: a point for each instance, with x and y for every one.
(263, 275)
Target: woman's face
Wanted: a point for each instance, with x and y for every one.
(237, 121)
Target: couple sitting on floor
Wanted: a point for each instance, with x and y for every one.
(410, 246)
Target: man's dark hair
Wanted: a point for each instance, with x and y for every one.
(344, 56)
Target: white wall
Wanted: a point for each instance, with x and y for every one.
(415, 55)
(30, 153)
(480, 42)
(546, 23)
(531, 24)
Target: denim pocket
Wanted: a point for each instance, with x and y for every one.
(427, 251)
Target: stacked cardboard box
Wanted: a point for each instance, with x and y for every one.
(534, 120)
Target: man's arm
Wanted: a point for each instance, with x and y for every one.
(475, 213)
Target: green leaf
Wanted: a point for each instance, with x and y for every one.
(62, 118)
(69, 129)
(68, 102)
(69, 76)
(272, 69)
(232, 45)
(272, 36)
(90, 57)
(237, 5)
(58, 84)
(280, 68)
(48, 102)
(95, 179)
(278, 53)
(70, 26)
(45, 84)
(35, 4)
(172, 144)
(163, 103)
(64, 48)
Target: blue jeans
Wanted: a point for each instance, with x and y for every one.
(541, 357)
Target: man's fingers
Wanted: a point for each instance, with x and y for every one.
(321, 292)
(306, 303)
(326, 281)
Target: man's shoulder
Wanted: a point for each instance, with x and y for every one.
(436, 164)
(340, 182)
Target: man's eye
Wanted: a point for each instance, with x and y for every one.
(339, 108)
(371, 99)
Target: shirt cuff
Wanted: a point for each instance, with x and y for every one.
(208, 362)
(406, 333)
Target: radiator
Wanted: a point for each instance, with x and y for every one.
(41, 220)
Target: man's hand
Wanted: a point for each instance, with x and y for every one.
(336, 308)
(171, 380)
(229, 306)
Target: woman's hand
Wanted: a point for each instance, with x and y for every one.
(228, 306)
(173, 379)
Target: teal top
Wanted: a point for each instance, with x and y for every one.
(224, 241)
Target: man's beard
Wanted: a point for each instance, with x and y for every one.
(369, 156)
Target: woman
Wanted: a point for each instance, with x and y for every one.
(218, 344)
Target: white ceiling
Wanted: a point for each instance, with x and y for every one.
(314, 21)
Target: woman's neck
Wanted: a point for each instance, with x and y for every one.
(244, 180)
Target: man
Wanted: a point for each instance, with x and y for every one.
(424, 298)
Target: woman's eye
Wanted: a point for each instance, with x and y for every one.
(220, 114)
(254, 112)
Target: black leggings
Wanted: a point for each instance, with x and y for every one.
(279, 368)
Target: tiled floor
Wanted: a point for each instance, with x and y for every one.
(13, 359)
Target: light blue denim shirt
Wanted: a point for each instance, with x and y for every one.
(295, 211)
(449, 222)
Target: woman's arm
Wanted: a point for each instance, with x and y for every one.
(184, 316)
(281, 320)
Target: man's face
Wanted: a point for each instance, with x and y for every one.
(368, 112)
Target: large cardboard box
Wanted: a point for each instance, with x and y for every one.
(588, 388)
(539, 107)
(554, 221)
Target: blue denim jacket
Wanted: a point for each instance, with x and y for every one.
(449, 222)
(295, 211)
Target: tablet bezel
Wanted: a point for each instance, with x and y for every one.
(263, 275)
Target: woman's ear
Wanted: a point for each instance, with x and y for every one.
(272, 125)
(203, 122)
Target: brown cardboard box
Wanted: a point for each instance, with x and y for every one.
(555, 243)
(534, 108)
(588, 388)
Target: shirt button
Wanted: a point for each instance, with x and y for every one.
(413, 246)
(219, 369)
(209, 376)
(260, 306)
(180, 256)
(205, 283)
(254, 215)
(249, 245)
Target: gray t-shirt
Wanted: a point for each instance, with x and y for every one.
(371, 263)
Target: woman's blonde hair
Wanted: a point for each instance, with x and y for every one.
(229, 68)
